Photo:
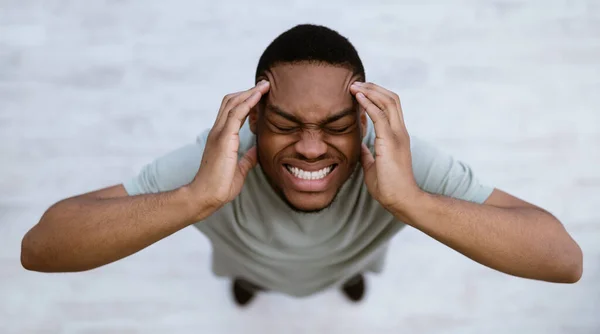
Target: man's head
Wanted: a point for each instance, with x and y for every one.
(309, 127)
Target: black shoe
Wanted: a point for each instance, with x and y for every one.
(354, 288)
(241, 292)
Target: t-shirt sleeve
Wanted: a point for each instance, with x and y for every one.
(171, 171)
(440, 173)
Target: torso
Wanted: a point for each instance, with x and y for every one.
(258, 237)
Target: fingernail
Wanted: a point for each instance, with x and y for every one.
(361, 95)
(357, 83)
(263, 83)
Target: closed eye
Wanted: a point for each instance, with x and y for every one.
(338, 130)
(285, 129)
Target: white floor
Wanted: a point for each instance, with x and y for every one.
(90, 91)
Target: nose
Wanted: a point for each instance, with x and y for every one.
(311, 145)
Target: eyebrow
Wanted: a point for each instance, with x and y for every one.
(275, 109)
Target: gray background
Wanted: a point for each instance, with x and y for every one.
(92, 90)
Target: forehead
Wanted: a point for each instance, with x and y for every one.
(310, 91)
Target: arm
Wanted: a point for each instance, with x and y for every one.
(94, 229)
(505, 233)
(179, 189)
(443, 199)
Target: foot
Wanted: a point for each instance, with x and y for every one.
(242, 293)
(354, 288)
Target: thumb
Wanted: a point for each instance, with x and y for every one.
(366, 158)
(248, 161)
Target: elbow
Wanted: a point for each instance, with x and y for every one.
(37, 249)
(576, 268)
(29, 263)
(572, 265)
(572, 275)
(31, 256)
(34, 254)
(575, 275)
(39, 255)
(33, 247)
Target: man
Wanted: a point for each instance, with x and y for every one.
(307, 194)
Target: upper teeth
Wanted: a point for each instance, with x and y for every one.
(302, 174)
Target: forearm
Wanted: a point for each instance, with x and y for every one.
(524, 242)
(83, 233)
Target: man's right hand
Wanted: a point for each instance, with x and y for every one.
(91, 230)
(221, 176)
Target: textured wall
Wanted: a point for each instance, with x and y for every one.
(90, 91)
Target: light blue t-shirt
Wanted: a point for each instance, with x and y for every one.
(259, 238)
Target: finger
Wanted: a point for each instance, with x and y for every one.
(222, 109)
(237, 116)
(392, 96)
(378, 116)
(248, 161)
(366, 157)
(383, 99)
(380, 98)
(262, 86)
(371, 86)
(232, 100)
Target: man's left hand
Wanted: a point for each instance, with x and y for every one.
(389, 175)
(506, 233)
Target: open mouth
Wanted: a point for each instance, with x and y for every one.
(310, 175)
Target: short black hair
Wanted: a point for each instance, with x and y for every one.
(313, 44)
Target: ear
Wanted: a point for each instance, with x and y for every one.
(253, 118)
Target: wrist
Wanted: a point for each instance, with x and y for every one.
(198, 204)
(410, 207)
